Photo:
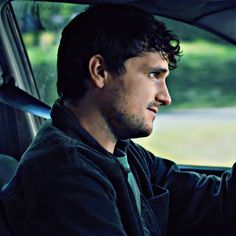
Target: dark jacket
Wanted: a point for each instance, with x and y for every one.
(67, 184)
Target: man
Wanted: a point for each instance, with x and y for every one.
(82, 175)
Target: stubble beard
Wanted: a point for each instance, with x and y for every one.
(122, 122)
(130, 126)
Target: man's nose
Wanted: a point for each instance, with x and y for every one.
(163, 95)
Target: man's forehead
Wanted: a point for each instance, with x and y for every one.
(151, 60)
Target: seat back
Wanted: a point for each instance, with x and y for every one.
(5, 229)
(8, 167)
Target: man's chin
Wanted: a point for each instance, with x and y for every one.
(143, 133)
(147, 133)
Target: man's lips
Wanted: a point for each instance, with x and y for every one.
(154, 106)
(153, 109)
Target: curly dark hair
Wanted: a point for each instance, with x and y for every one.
(117, 33)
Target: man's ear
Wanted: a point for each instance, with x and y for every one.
(97, 70)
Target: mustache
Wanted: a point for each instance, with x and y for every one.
(154, 104)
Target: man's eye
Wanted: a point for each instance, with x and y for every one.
(154, 75)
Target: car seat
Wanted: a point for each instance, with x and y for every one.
(8, 167)
(5, 229)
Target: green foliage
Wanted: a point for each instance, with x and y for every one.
(205, 77)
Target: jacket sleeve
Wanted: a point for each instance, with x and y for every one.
(74, 203)
(197, 202)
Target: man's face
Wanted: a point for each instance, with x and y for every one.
(133, 98)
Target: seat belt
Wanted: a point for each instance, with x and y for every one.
(15, 97)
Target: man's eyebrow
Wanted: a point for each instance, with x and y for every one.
(159, 69)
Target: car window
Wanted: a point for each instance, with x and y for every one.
(199, 128)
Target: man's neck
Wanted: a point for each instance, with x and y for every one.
(94, 123)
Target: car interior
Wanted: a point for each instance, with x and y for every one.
(25, 100)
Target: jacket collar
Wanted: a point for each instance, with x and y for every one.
(66, 121)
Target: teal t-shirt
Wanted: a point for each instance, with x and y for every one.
(122, 157)
(132, 182)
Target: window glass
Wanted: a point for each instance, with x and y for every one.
(199, 128)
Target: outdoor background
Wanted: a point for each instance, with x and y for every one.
(199, 127)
